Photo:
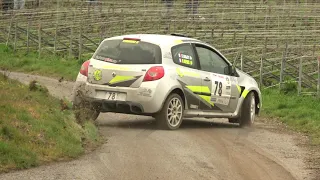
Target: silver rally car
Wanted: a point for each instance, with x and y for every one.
(168, 77)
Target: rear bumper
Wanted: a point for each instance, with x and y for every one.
(135, 101)
(118, 106)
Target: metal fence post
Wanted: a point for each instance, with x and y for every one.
(9, 31)
(15, 37)
(28, 34)
(80, 42)
(261, 71)
(300, 76)
(39, 39)
(284, 57)
(318, 86)
(242, 52)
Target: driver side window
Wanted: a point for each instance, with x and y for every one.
(210, 61)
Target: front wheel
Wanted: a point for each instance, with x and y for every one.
(248, 111)
(171, 115)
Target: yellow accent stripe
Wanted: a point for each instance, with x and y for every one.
(130, 41)
(193, 74)
(245, 93)
(116, 68)
(187, 73)
(178, 41)
(179, 72)
(239, 88)
(118, 79)
(199, 89)
(207, 99)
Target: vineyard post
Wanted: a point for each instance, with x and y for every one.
(261, 71)
(242, 52)
(71, 34)
(28, 34)
(284, 57)
(55, 38)
(56, 29)
(101, 32)
(9, 31)
(234, 39)
(39, 39)
(15, 37)
(318, 86)
(124, 21)
(80, 42)
(300, 71)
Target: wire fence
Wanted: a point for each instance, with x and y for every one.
(271, 40)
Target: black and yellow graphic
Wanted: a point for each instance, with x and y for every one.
(199, 95)
(123, 81)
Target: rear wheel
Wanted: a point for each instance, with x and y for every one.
(248, 109)
(171, 114)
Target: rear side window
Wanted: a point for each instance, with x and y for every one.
(128, 52)
(183, 55)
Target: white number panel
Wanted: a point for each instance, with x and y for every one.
(221, 89)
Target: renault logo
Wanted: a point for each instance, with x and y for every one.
(114, 74)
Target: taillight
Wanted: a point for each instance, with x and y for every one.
(154, 73)
(84, 68)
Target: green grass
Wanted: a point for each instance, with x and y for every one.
(34, 129)
(47, 65)
(300, 113)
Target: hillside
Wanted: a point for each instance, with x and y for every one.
(36, 128)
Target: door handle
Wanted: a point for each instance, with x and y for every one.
(206, 79)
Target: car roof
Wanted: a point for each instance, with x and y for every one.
(156, 38)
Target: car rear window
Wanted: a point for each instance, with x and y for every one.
(128, 52)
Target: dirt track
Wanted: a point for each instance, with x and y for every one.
(200, 149)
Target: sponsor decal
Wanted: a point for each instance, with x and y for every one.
(185, 59)
(227, 80)
(97, 75)
(192, 106)
(147, 92)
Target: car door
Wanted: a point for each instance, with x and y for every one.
(188, 74)
(215, 72)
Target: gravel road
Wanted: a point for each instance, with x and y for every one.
(200, 149)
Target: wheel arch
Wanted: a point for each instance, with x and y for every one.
(178, 91)
(257, 99)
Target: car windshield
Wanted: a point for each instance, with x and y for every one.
(127, 52)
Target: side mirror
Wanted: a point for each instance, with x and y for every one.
(232, 70)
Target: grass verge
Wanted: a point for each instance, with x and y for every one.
(48, 65)
(300, 113)
(34, 129)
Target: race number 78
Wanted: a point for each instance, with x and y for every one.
(218, 87)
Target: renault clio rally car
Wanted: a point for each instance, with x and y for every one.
(168, 77)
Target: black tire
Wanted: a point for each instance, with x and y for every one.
(162, 120)
(248, 111)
